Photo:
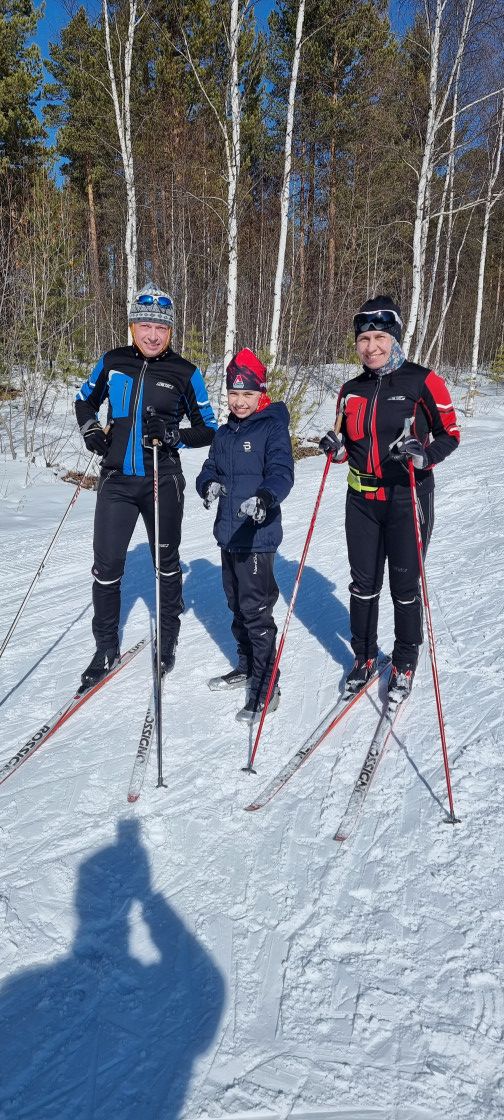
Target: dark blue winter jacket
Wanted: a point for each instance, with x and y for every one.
(248, 456)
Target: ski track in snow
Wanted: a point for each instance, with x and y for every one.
(180, 959)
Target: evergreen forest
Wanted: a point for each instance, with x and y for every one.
(301, 161)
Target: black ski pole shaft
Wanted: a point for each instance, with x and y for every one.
(47, 554)
(159, 704)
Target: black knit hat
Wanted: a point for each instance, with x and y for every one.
(379, 314)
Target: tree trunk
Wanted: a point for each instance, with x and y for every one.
(233, 154)
(494, 170)
(285, 195)
(434, 121)
(122, 111)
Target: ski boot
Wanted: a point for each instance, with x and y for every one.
(168, 651)
(237, 678)
(103, 661)
(400, 683)
(359, 674)
(251, 712)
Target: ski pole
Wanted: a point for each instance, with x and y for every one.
(41, 567)
(452, 819)
(249, 768)
(159, 706)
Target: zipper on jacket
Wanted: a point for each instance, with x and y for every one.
(370, 432)
(135, 407)
(125, 390)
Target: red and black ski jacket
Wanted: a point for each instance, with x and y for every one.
(375, 411)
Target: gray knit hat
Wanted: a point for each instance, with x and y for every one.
(152, 305)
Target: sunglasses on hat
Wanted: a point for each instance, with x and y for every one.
(162, 301)
(364, 320)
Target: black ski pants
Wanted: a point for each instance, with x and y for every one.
(377, 531)
(120, 500)
(251, 592)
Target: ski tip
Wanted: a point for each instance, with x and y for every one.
(251, 808)
(340, 837)
(132, 797)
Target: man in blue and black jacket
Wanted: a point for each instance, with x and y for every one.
(149, 389)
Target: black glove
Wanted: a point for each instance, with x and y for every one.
(407, 447)
(165, 433)
(212, 492)
(331, 444)
(95, 438)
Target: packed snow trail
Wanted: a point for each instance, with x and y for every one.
(180, 959)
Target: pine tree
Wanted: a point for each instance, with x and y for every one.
(20, 77)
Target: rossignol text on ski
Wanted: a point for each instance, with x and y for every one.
(53, 724)
(379, 742)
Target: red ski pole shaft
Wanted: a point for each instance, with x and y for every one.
(430, 633)
(292, 603)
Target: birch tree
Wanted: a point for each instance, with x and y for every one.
(233, 159)
(285, 193)
(120, 88)
(435, 119)
(446, 193)
(492, 197)
(228, 120)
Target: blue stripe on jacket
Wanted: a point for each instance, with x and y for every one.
(88, 386)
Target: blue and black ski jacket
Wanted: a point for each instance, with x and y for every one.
(169, 384)
(250, 456)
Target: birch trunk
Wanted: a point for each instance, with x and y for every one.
(233, 155)
(285, 195)
(434, 121)
(491, 199)
(449, 232)
(122, 110)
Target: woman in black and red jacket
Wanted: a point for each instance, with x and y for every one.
(376, 441)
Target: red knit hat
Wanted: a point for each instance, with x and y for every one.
(246, 371)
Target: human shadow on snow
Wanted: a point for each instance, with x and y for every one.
(138, 582)
(99, 1033)
(317, 606)
(46, 653)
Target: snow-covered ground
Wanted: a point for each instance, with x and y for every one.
(183, 959)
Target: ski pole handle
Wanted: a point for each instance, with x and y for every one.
(152, 412)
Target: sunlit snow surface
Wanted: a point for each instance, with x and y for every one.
(183, 959)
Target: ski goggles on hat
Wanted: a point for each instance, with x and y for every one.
(379, 320)
(146, 300)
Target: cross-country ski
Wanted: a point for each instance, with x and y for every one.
(384, 732)
(329, 722)
(51, 725)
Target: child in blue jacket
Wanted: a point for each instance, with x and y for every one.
(250, 470)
